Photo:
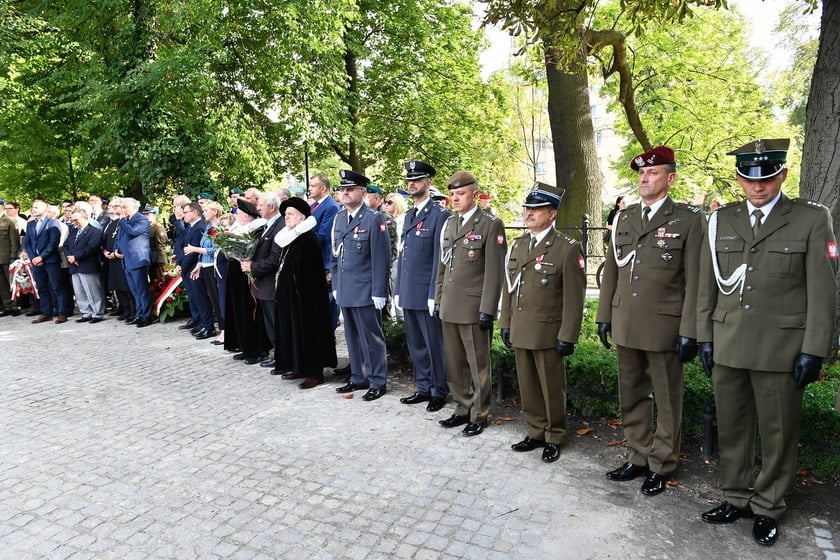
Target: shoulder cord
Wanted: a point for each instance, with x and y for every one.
(736, 280)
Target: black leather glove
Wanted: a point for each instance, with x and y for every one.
(603, 330)
(706, 353)
(485, 321)
(436, 313)
(505, 337)
(564, 348)
(686, 348)
(806, 369)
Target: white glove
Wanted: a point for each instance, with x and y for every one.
(396, 301)
(431, 304)
(335, 294)
(378, 302)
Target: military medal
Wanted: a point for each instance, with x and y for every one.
(666, 256)
(466, 241)
(470, 254)
(356, 232)
(661, 244)
(538, 266)
(544, 280)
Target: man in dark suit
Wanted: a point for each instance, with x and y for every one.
(324, 208)
(542, 309)
(41, 246)
(648, 303)
(82, 252)
(764, 321)
(415, 288)
(361, 260)
(263, 267)
(193, 231)
(133, 247)
(468, 287)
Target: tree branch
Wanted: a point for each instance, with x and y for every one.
(597, 40)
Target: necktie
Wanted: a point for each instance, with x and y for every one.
(645, 216)
(78, 233)
(532, 244)
(314, 206)
(758, 214)
(39, 225)
(413, 215)
(349, 218)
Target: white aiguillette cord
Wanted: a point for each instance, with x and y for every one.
(621, 262)
(511, 285)
(736, 279)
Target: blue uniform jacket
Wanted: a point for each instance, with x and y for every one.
(418, 261)
(361, 255)
(85, 249)
(45, 244)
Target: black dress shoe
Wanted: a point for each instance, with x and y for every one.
(627, 471)
(765, 530)
(654, 484)
(474, 428)
(454, 421)
(241, 356)
(726, 513)
(416, 398)
(350, 387)
(140, 323)
(435, 404)
(292, 375)
(217, 342)
(551, 452)
(189, 325)
(528, 444)
(130, 320)
(196, 329)
(83, 319)
(94, 320)
(280, 372)
(253, 359)
(204, 334)
(342, 371)
(374, 394)
(267, 363)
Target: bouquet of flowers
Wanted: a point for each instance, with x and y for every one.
(236, 246)
(22, 280)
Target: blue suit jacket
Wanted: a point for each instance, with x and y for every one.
(45, 244)
(361, 258)
(325, 214)
(191, 236)
(133, 241)
(420, 256)
(85, 249)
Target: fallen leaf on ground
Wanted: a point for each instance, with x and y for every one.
(583, 431)
(350, 396)
(507, 419)
(673, 483)
(615, 442)
(614, 423)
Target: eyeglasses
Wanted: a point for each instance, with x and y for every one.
(389, 202)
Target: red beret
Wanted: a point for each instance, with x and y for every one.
(484, 196)
(660, 155)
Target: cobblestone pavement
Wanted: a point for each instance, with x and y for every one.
(120, 442)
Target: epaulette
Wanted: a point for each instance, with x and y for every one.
(809, 203)
(631, 206)
(524, 235)
(729, 204)
(569, 240)
(489, 216)
(690, 207)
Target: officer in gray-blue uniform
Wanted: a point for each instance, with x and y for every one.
(415, 288)
(361, 261)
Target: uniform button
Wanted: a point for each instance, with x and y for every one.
(635, 278)
(750, 268)
(634, 294)
(748, 288)
(519, 309)
(801, 323)
(747, 307)
(753, 250)
(639, 246)
(726, 248)
(638, 261)
(787, 249)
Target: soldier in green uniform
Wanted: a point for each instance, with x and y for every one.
(648, 303)
(467, 290)
(542, 309)
(764, 321)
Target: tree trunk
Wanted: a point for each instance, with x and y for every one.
(820, 174)
(573, 135)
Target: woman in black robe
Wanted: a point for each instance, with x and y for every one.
(304, 341)
(242, 322)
